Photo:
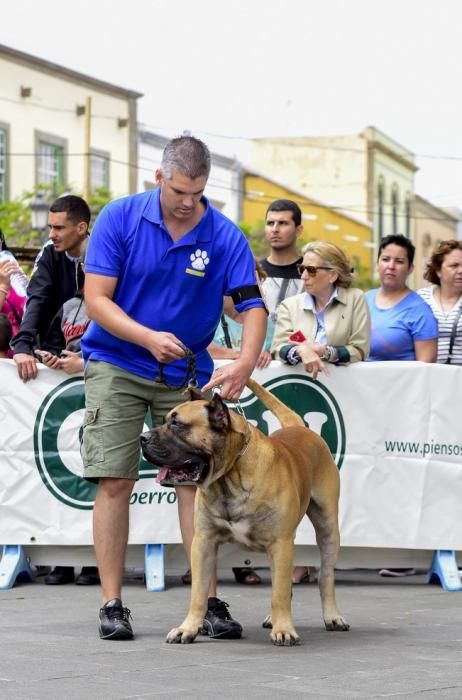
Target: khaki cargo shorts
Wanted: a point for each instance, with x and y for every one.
(116, 403)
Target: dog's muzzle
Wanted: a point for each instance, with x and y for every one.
(174, 471)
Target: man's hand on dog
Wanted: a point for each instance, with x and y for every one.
(231, 379)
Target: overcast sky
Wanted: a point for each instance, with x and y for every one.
(271, 67)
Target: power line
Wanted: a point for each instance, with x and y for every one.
(49, 108)
(267, 199)
(289, 141)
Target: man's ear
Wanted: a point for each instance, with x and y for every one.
(194, 394)
(82, 228)
(219, 418)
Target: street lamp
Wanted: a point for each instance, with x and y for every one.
(39, 210)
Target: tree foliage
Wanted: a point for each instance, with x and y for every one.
(255, 235)
(16, 218)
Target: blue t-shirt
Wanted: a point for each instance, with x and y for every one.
(166, 286)
(234, 330)
(394, 330)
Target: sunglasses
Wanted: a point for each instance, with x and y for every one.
(311, 269)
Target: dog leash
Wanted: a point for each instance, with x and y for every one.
(238, 407)
(190, 372)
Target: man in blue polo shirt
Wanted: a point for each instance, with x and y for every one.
(157, 268)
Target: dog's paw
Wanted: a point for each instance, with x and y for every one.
(284, 638)
(267, 622)
(337, 624)
(179, 635)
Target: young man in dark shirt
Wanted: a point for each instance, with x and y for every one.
(57, 277)
(283, 226)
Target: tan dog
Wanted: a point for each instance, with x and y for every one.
(254, 490)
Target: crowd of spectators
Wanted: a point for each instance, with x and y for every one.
(317, 316)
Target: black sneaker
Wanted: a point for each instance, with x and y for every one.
(59, 576)
(89, 576)
(114, 621)
(218, 623)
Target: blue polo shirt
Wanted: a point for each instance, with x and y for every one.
(166, 286)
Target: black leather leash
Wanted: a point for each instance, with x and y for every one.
(190, 372)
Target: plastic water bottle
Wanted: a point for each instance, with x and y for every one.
(19, 280)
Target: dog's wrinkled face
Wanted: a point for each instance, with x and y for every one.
(185, 445)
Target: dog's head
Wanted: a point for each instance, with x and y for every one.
(193, 443)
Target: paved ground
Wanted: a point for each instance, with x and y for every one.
(405, 642)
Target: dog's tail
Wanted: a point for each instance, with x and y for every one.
(286, 416)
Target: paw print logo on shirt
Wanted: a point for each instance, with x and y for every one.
(199, 260)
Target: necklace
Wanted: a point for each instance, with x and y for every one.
(452, 304)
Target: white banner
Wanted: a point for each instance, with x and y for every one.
(393, 429)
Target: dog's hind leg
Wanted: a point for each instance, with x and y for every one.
(325, 523)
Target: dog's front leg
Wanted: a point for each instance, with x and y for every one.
(283, 632)
(203, 564)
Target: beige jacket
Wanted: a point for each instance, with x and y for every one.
(346, 320)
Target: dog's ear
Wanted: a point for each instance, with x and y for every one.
(194, 394)
(219, 418)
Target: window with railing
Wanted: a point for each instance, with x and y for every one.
(408, 215)
(380, 200)
(394, 208)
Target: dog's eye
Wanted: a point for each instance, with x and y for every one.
(175, 423)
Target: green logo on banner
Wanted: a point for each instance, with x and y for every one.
(311, 400)
(57, 437)
(58, 431)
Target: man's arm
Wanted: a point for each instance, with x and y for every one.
(99, 290)
(232, 377)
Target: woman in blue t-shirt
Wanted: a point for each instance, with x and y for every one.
(403, 328)
(403, 325)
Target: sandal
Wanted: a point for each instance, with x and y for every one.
(187, 578)
(243, 574)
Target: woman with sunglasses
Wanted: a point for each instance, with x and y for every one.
(327, 323)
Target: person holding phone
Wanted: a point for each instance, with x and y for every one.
(329, 321)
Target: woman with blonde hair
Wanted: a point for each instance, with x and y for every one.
(329, 321)
(444, 296)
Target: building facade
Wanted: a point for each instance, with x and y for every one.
(51, 118)
(432, 225)
(320, 221)
(368, 176)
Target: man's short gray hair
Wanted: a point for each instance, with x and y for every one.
(188, 155)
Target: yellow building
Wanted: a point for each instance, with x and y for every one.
(320, 221)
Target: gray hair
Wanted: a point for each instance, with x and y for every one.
(188, 155)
